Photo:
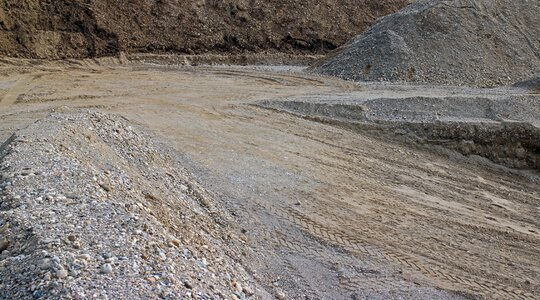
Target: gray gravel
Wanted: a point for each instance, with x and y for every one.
(92, 208)
(456, 42)
(531, 85)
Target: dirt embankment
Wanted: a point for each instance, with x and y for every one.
(476, 42)
(83, 28)
(53, 29)
(503, 129)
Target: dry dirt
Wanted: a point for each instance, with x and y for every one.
(325, 212)
(88, 28)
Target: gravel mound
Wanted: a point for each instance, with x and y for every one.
(532, 85)
(93, 208)
(459, 42)
(82, 28)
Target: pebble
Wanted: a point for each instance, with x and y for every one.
(202, 263)
(162, 256)
(61, 273)
(248, 291)
(105, 187)
(237, 286)
(280, 295)
(84, 256)
(44, 264)
(4, 244)
(175, 242)
(107, 269)
(47, 276)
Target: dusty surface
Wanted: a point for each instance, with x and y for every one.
(87, 28)
(457, 42)
(325, 212)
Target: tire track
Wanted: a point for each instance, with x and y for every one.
(438, 275)
(351, 284)
(20, 87)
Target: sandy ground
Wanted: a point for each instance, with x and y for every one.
(326, 212)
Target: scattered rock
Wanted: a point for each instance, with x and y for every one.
(175, 242)
(4, 244)
(105, 187)
(237, 286)
(45, 264)
(61, 273)
(280, 294)
(107, 268)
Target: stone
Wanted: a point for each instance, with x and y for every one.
(4, 244)
(61, 273)
(237, 286)
(107, 269)
(175, 242)
(76, 245)
(105, 187)
(47, 276)
(44, 264)
(84, 257)
(247, 290)
(280, 295)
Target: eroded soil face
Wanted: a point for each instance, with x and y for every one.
(79, 29)
(324, 212)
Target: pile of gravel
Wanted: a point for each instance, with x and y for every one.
(92, 208)
(531, 85)
(459, 42)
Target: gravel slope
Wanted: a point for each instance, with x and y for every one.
(531, 85)
(458, 42)
(92, 208)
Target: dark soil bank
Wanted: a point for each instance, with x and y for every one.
(88, 28)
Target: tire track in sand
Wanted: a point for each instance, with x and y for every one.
(448, 280)
(20, 87)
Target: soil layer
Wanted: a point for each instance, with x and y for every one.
(84, 28)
